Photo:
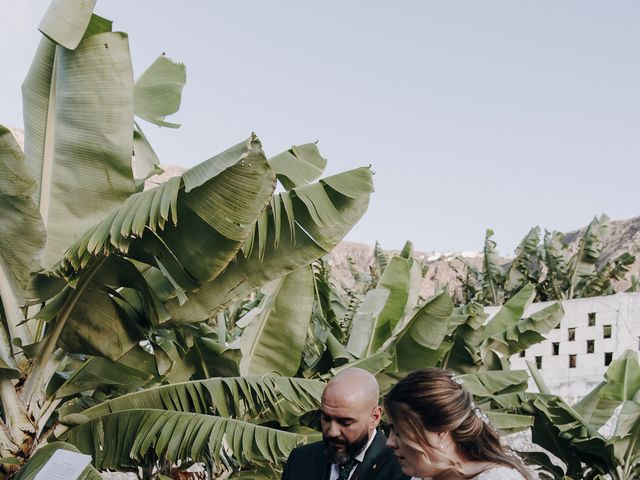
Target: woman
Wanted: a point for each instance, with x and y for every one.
(436, 432)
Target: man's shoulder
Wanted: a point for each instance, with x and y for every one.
(315, 448)
(306, 461)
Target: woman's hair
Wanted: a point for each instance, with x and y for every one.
(430, 399)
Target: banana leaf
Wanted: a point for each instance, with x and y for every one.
(583, 263)
(492, 272)
(422, 341)
(119, 439)
(522, 268)
(346, 195)
(259, 399)
(298, 166)
(273, 341)
(158, 91)
(22, 238)
(384, 307)
(73, 136)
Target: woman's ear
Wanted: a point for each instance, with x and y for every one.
(444, 439)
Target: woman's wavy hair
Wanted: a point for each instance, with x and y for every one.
(431, 400)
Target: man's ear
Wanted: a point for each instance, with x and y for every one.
(376, 415)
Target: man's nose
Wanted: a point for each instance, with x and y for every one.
(333, 431)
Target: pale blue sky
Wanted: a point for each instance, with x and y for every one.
(475, 114)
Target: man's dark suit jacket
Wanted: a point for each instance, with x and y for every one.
(310, 462)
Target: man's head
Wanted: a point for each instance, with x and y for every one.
(350, 413)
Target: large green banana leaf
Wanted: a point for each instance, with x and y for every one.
(374, 364)
(22, 237)
(621, 384)
(526, 332)
(479, 346)
(595, 409)
(487, 386)
(132, 371)
(622, 378)
(66, 21)
(298, 166)
(421, 342)
(120, 439)
(552, 255)
(22, 233)
(364, 321)
(327, 322)
(464, 355)
(158, 91)
(156, 94)
(315, 225)
(626, 441)
(600, 282)
(561, 430)
(490, 384)
(184, 228)
(209, 358)
(520, 270)
(78, 110)
(572, 432)
(508, 332)
(274, 340)
(583, 263)
(259, 399)
(492, 272)
(386, 306)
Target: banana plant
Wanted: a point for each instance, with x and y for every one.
(525, 267)
(218, 420)
(572, 433)
(558, 272)
(384, 307)
(123, 278)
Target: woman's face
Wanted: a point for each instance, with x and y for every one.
(425, 462)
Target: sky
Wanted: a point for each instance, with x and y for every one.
(472, 114)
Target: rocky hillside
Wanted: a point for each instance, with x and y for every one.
(349, 258)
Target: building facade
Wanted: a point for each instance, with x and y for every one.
(593, 332)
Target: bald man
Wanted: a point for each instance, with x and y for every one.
(352, 447)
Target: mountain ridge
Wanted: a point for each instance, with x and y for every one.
(349, 258)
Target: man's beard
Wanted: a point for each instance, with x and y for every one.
(350, 450)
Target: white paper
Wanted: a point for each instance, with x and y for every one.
(64, 465)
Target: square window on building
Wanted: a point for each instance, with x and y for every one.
(557, 327)
(571, 334)
(555, 348)
(608, 357)
(522, 353)
(591, 345)
(592, 319)
(606, 331)
(538, 362)
(572, 361)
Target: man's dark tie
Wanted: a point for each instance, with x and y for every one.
(345, 469)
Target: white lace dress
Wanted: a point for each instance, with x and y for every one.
(497, 473)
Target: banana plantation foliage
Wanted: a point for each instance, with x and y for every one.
(558, 270)
(107, 288)
(196, 322)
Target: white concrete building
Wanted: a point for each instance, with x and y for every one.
(593, 332)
